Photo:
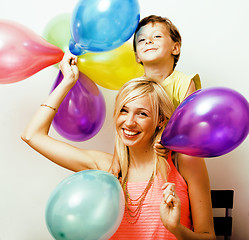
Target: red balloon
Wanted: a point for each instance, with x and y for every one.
(23, 52)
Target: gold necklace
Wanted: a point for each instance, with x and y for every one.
(135, 202)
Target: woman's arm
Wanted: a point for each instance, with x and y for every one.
(115, 166)
(195, 174)
(36, 133)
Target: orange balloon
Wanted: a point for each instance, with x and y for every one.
(23, 52)
(111, 69)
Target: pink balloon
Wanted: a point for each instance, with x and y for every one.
(209, 123)
(23, 52)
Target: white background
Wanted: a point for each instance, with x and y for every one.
(215, 45)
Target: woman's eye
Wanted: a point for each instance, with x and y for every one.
(143, 114)
(123, 110)
(158, 36)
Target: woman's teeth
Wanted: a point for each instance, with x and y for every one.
(130, 133)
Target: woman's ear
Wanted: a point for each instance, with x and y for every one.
(176, 48)
(161, 121)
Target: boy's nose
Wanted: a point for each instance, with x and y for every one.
(149, 41)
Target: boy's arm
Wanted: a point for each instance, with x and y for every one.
(191, 89)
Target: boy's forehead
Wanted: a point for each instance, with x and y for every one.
(153, 26)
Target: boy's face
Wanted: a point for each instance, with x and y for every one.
(153, 43)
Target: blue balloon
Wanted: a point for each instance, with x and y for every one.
(87, 205)
(102, 25)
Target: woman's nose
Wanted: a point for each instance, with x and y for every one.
(130, 120)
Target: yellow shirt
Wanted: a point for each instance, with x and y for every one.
(176, 85)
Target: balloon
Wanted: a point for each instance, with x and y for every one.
(111, 69)
(87, 205)
(82, 113)
(209, 123)
(102, 25)
(23, 52)
(57, 31)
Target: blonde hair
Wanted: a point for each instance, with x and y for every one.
(162, 107)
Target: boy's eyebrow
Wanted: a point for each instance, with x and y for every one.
(139, 35)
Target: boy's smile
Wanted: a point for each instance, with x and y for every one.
(153, 43)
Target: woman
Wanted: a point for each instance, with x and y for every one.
(161, 202)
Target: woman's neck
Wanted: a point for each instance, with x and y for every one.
(142, 162)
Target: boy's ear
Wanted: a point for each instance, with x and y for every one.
(137, 58)
(176, 49)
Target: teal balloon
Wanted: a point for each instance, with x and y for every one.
(88, 205)
(102, 25)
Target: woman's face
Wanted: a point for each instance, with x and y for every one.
(135, 123)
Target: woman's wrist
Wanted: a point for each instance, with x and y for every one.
(68, 81)
(178, 231)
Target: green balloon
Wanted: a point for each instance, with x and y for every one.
(57, 31)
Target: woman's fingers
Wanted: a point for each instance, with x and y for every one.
(169, 193)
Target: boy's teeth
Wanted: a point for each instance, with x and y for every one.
(130, 133)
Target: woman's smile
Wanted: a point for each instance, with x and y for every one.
(130, 133)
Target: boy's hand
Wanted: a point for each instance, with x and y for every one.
(160, 150)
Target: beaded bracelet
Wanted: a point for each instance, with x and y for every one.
(45, 105)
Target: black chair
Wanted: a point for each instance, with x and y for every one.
(223, 199)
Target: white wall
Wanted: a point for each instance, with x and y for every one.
(215, 45)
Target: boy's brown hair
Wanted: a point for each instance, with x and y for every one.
(173, 31)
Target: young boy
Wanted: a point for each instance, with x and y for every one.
(157, 46)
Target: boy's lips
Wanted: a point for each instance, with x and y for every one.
(150, 49)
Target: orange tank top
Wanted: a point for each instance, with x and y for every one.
(149, 225)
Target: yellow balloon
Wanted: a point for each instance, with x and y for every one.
(111, 69)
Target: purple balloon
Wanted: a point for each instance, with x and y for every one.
(82, 113)
(209, 123)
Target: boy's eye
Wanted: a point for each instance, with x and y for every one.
(141, 39)
(158, 36)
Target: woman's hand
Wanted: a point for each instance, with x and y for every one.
(68, 67)
(170, 208)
